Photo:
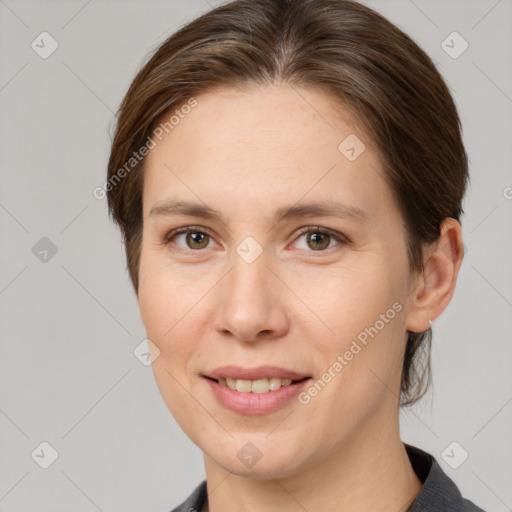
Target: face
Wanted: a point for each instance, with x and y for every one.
(294, 266)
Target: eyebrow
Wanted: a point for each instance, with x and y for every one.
(323, 209)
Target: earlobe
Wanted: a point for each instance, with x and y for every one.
(435, 287)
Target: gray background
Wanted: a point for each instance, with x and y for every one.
(69, 325)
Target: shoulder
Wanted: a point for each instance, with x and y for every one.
(439, 492)
(195, 502)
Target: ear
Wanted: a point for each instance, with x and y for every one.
(434, 288)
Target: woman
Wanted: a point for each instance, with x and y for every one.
(288, 179)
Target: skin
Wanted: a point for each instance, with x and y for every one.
(247, 153)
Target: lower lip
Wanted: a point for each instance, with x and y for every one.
(256, 403)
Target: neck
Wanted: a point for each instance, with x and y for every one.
(370, 472)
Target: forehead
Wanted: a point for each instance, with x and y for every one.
(264, 142)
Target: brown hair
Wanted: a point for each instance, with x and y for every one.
(341, 46)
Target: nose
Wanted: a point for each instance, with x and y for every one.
(250, 305)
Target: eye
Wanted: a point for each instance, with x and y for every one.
(195, 238)
(320, 239)
(192, 237)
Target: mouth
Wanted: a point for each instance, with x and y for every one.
(258, 386)
(260, 390)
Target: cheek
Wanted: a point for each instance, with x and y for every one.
(171, 303)
(162, 304)
(349, 300)
(159, 292)
(364, 309)
(163, 310)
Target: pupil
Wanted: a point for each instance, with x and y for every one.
(317, 239)
(195, 238)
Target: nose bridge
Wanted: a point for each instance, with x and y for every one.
(249, 276)
(248, 287)
(249, 298)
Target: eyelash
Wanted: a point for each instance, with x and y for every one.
(302, 231)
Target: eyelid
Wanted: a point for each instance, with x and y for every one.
(339, 237)
(185, 230)
(326, 231)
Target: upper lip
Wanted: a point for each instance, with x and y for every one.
(259, 372)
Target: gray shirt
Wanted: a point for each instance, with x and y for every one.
(438, 494)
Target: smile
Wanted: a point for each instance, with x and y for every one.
(255, 386)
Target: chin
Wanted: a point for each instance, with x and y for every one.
(256, 456)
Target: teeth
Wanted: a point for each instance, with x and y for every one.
(255, 386)
(243, 385)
